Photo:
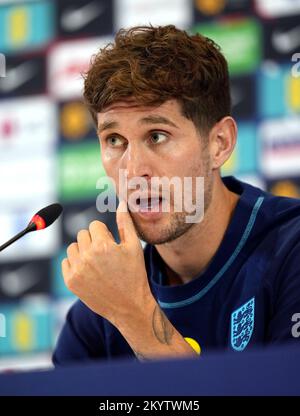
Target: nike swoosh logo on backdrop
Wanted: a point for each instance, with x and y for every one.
(16, 282)
(286, 41)
(18, 76)
(75, 19)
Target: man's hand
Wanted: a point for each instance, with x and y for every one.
(109, 278)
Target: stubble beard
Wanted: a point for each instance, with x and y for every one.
(177, 225)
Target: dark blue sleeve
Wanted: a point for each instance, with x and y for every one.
(82, 337)
(283, 325)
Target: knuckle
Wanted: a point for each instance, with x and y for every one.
(86, 258)
(101, 248)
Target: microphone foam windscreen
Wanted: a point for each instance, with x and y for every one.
(50, 213)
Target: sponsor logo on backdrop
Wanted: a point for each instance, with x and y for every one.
(18, 76)
(242, 35)
(85, 17)
(285, 41)
(281, 38)
(27, 127)
(80, 168)
(75, 122)
(67, 61)
(76, 18)
(29, 327)
(157, 12)
(211, 8)
(277, 8)
(16, 280)
(280, 147)
(13, 284)
(26, 26)
(23, 76)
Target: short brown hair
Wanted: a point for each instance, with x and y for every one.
(155, 64)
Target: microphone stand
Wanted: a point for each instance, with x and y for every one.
(30, 227)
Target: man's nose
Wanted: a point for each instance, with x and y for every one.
(137, 161)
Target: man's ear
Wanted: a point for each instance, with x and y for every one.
(222, 140)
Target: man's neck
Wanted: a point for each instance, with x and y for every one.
(189, 255)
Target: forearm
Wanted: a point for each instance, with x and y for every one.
(151, 335)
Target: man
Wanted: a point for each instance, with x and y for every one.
(161, 102)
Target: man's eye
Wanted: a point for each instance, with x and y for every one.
(114, 141)
(158, 137)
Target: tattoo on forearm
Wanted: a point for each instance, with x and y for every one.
(162, 328)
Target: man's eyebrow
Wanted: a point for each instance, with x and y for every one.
(155, 119)
(109, 124)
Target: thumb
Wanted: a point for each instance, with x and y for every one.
(125, 224)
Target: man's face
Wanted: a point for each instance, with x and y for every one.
(151, 142)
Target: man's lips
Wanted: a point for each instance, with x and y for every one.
(146, 204)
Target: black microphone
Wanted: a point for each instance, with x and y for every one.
(39, 221)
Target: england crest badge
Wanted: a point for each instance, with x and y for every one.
(242, 325)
